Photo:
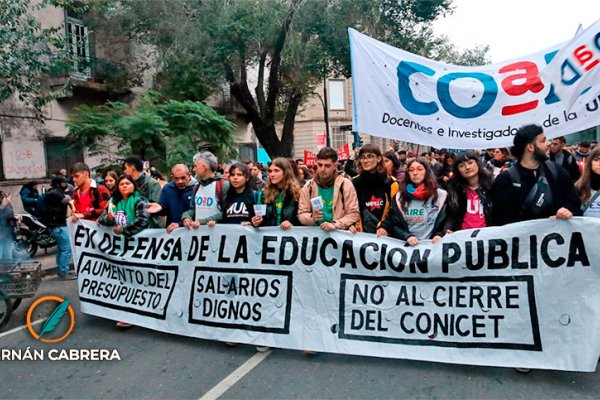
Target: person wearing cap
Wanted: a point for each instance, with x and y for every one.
(533, 187)
(54, 216)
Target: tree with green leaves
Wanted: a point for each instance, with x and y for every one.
(271, 54)
(29, 52)
(153, 129)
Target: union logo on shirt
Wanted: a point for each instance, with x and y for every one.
(375, 203)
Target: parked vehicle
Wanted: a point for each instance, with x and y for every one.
(31, 234)
(18, 279)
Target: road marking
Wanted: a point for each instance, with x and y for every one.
(235, 376)
(20, 328)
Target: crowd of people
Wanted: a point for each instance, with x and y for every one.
(398, 194)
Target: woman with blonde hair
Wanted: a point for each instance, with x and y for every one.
(280, 195)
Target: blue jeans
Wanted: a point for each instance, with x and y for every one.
(63, 251)
(6, 248)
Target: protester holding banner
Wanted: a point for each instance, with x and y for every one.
(375, 190)
(239, 200)
(89, 199)
(206, 203)
(126, 210)
(419, 209)
(175, 197)
(534, 187)
(280, 197)
(588, 185)
(147, 186)
(468, 202)
(329, 200)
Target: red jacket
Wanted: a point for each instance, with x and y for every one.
(99, 196)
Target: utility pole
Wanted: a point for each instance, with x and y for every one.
(326, 111)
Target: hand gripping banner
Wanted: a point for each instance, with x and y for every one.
(522, 295)
(403, 96)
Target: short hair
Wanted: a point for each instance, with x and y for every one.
(80, 167)
(585, 143)
(402, 152)
(135, 162)
(561, 139)
(207, 158)
(327, 153)
(525, 135)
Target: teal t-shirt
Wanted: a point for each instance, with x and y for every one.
(327, 196)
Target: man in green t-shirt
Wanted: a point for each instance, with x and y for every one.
(329, 200)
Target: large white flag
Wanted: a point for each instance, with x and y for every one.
(403, 96)
(576, 67)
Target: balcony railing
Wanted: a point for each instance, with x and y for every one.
(90, 69)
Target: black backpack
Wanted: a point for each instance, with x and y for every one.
(540, 198)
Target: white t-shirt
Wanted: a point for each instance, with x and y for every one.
(594, 209)
(207, 204)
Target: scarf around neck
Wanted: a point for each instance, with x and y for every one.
(125, 209)
(418, 192)
(328, 183)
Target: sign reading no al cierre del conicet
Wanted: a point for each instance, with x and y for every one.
(403, 96)
(522, 295)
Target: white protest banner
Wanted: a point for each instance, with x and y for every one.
(403, 96)
(522, 295)
(575, 67)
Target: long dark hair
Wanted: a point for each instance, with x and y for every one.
(429, 181)
(584, 184)
(231, 191)
(484, 176)
(458, 184)
(371, 148)
(117, 196)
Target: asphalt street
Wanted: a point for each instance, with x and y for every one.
(155, 365)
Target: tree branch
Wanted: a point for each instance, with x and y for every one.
(260, 89)
(276, 61)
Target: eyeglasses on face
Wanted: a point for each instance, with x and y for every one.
(367, 157)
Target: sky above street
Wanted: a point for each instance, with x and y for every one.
(514, 28)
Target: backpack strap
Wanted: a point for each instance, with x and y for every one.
(590, 201)
(514, 176)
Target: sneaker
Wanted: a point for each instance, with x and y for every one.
(262, 349)
(69, 276)
(231, 344)
(123, 325)
(523, 370)
(310, 353)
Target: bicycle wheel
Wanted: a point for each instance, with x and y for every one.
(5, 310)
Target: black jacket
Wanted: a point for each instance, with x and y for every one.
(456, 206)
(397, 227)
(508, 199)
(569, 164)
(289, 211)
(54, 214)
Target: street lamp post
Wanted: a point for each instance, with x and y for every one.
(325, 111)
